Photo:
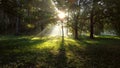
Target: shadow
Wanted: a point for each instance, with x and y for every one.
(102, 52)
(96, 53)
(77, 56)
(102, 57)
(61, 57)
(101, 40)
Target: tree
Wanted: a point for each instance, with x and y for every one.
(112, 9)
(18, 15)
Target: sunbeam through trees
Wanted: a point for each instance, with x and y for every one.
(59, 33)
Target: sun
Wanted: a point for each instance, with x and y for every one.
(61, 15)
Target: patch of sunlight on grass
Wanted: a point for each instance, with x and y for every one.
(35, 38)
(91, 42)
(117, 37)
(70, 41)
(70, 54)
(107, 36)
(52, 44)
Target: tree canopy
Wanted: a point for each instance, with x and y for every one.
(83, 16)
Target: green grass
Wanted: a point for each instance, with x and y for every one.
(49, 52)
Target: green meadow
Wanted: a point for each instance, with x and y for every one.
(51, 52)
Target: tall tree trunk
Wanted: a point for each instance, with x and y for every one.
(17, 19)
(17, 26)
(91, 25)
(1, 21)
(76, 27)
(76, 33)
(6, 23)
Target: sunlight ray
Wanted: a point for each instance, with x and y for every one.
(53, 3)
(57, 30)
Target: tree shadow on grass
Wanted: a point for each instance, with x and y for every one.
(97, 53)
(61, 57)
(102, 52)
(76, 56)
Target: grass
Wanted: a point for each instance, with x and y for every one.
(29, 52)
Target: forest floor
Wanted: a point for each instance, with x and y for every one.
(51, 52)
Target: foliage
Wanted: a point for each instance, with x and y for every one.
(17, 14)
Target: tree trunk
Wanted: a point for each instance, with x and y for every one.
(76, 27)
(17, 26)
(76, 33)
(6, 23)
(91, 25)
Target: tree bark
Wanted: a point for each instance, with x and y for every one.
(17, 26)
(91, 25)
(76, 33)
(76, 27)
